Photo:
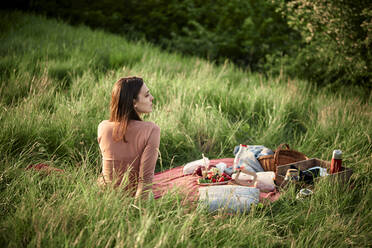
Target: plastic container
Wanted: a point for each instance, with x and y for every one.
(237, 157)
(221, 167)
(304, 193)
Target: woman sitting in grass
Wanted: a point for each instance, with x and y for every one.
(127, 143)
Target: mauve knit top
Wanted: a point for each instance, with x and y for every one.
(138, 156)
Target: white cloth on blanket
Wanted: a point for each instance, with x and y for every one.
(230, 198)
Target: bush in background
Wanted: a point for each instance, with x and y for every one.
(337, 36)
(241, 31)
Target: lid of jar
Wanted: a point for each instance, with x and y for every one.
(337, 154)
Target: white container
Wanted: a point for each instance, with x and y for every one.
(190, 167)
(265, 181)
(230, 198)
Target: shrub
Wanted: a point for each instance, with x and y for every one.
(337, 36)
(241, 31)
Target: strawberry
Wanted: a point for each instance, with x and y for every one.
(222, 179)
(227, 177)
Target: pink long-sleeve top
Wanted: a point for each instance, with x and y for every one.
(138, 155)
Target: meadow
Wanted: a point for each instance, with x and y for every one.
(55, 88)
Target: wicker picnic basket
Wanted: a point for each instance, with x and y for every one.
(281, 157)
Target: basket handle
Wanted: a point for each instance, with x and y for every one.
(276, 155)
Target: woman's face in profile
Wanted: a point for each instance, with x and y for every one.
(143, 103)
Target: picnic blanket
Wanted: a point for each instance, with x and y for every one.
(172, 179)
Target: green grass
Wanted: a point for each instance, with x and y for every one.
(55, 89)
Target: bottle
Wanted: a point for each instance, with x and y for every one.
(236, 164)
(336, 163)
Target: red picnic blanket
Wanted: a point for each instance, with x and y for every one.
(171, 179)
(168, 180)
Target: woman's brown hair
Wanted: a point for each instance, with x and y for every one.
(121, 107)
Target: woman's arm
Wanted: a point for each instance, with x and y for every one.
(107, 166)
(147, 163)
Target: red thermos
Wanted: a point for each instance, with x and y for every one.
(336, 163)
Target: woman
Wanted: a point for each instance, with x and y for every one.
(127, 143)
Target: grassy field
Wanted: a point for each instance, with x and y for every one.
(55, 88)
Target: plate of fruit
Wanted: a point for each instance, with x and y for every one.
(213, 177)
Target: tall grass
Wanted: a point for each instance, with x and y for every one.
(55, 89)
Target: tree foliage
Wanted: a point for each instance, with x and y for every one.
(338, 38)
